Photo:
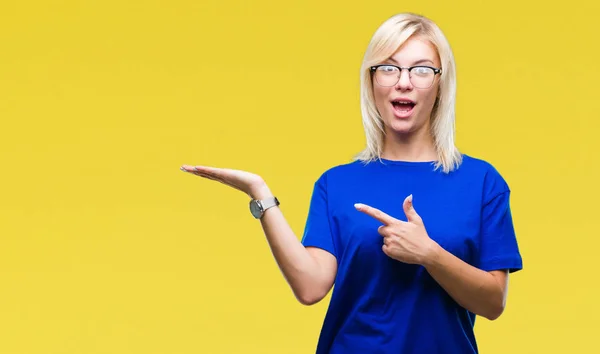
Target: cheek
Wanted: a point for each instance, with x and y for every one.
(428, 99)
(381, 95)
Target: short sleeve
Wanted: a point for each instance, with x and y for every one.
(317, 231)
(498, 243)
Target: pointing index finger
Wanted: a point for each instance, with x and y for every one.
(375, 213)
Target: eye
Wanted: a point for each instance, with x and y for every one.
(387, 69)
(422, 70)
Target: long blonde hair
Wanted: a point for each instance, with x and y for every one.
(385, 42)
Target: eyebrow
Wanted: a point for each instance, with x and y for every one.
(420, 61)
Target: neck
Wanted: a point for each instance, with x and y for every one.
(417, 146)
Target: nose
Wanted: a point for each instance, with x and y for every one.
(404, 81)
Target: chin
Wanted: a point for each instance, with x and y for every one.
(404, 126)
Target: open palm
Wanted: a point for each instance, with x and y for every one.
(244, 181)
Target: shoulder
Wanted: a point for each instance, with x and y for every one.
(486, 173)
(473, 163)
(341, 173)
(343, 169)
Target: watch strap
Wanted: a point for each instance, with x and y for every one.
(269, 203)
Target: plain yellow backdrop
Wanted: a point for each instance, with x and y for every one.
(106, 247)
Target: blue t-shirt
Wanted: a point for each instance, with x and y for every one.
(381, 305)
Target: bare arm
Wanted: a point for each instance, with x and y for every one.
(309, 271)
(481, 292)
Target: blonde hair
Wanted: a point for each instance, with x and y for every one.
(385, 42)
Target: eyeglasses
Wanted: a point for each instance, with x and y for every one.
(420, 76)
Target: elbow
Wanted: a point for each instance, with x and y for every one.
(309, 297)
(495, 311)
(308, 301)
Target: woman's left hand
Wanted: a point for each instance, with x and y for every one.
(405, 241)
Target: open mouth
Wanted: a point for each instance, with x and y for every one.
(403, 106)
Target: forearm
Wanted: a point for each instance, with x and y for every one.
(300, 269)
(474, 289)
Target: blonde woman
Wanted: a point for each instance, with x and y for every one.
(417, 237)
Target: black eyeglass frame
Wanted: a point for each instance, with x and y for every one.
(409, 68)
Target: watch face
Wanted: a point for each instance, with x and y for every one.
(255, 209)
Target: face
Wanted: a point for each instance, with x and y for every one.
(399, 117)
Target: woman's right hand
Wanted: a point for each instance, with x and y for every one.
(309, 271)
(251, 184)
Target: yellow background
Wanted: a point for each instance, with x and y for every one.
(106, 247)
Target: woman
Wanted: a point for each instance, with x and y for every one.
(430, 243)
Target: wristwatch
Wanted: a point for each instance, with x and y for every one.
(258, 207)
